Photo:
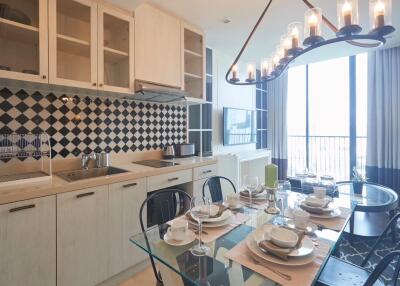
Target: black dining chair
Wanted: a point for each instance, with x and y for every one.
(167, 204)
(337, 271)
(215, 189)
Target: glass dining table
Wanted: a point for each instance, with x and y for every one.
(179, 267)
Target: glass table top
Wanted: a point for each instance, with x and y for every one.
(215, 269)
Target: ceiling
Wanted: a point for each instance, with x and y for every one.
(228, 38)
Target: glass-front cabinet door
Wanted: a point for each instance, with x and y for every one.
(24, 40)
(115, 50)
(73, 43)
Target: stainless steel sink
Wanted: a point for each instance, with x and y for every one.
(76, 175)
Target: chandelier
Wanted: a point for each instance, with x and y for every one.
(302, 39)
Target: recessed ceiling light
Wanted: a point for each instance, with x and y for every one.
(226, 20)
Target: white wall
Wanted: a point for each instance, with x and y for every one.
(227, 95)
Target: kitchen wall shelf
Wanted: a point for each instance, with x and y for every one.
(193, 53)
(72, 45)
(114, 55)
(193, 75)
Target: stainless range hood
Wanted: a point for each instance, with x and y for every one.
(157, 93)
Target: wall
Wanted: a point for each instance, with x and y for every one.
(85, 124)
(227, 95)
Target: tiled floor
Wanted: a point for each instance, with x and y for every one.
(144, 278)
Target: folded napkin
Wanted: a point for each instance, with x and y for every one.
(254, 194)
(220, 212)
(278, 251)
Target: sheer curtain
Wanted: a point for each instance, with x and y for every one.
(277, 122)
(383, 143)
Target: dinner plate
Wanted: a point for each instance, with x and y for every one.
(259, 196)
(306, 246)
(335, 213)
(311, 227)
(190, 237)
(235, 207)
(225, 215)
(263, 257)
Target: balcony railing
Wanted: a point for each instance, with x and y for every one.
(328, 155)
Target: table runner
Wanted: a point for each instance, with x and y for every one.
(301, 275)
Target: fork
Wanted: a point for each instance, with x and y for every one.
(277, 272)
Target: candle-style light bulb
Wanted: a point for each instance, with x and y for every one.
(347, 13)
(235, 72)
(276, 61)
(379, 14)
(264, 68)
(250, 72)
(287, 44)
(312, 23)
(295, 37)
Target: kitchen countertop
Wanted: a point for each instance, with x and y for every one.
(58, 185)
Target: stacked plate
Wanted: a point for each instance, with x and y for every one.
(320, 208)
(302, 254)
(215, 221)
(259, 194)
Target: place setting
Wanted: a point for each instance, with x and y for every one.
(319, 205)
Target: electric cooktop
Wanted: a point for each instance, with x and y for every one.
(156, 163)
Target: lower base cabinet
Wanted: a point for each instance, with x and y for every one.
(125, 199)
(28, 243)
(82, 237)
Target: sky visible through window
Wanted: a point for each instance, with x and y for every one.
(329, 116)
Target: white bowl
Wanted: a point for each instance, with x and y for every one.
(283, 237)
(315, 202)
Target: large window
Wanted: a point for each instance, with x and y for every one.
(324, 135)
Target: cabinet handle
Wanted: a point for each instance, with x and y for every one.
(44, 76)
(129, 185)
(94, 84)
(173, 179)
(22, 208)
(84, 195)
(208, 171)
(100, 84)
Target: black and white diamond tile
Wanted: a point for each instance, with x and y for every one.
(78, 125)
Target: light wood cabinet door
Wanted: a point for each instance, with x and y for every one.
(28, 243)
(73, 43)
(125, 199)
(115, 50)
(24, 44)
(157, 47)
(82, 237)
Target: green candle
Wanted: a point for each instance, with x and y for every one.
(271, 175)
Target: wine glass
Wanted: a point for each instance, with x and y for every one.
(200, 208)
(250, 184)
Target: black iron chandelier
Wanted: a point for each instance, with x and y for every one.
(300, 40)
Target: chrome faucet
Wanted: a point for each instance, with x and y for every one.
(85, 160)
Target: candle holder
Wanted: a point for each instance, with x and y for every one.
(312, 27)
(265, 69)
(295, 35)
(347, 11)
(380, 15)
(272, 208)
(251, 72)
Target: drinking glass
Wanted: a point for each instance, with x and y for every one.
(200, 208)
(250, 184)
(284, 189)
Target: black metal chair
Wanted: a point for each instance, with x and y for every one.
(167, 204)
(339, 272)
(215, 189)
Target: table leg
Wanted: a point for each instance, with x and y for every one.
(351, 222)
(393, 226)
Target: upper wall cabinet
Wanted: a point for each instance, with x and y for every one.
(157, 47)
(194, 63)
(116, 50)
(73, 43)
(23, 40)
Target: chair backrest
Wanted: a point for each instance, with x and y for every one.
(166, 204)
(215, 189)
(382, 266)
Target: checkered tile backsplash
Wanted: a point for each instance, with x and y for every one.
(86, 124)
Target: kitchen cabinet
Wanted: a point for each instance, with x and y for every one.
(73, 43)
(115, 50)
(194, 63)
(168, 180)
(24, 40)
(125, 199)
(200, 175)
(82, 237)
(28, 242)
(157, 47)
